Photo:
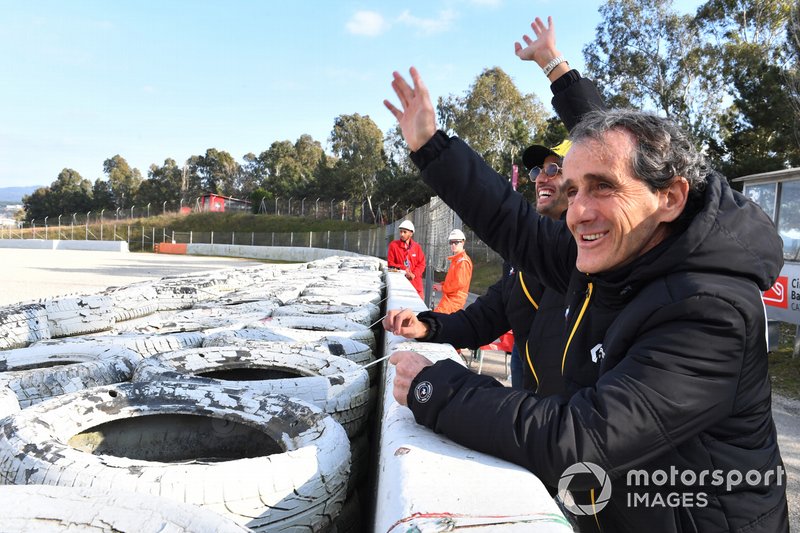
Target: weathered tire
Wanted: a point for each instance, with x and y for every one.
(269, 463)
(205, 319)
(358, 352)
(306, 329)
(373, 296)
(22, 324)
(8, 402)
(76, 315)
(279, 291)
(144, 345)
(364, 314)
(53, 509)
(182, 292)
(336, 385)
(132, 301)
(37, 373)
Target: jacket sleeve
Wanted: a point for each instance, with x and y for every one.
(393, 257)
(498, 215)
(573, 97)
(677, 379)
(479, 323)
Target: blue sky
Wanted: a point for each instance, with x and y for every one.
(85, 80)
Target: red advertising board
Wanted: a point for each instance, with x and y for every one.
(777, 295)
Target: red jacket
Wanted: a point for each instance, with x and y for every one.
(456, 284)
(410, 258)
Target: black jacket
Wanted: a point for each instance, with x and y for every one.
(668, 359)
(517, 302)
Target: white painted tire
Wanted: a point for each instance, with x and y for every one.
(37, 373)
(144, 345)
(371, 298)
(8, 402)
(53, 509)
(198, 319)
(365, 314)
(277, 290)
(373, 295)
(132, 301)
(269, 463)
(358, 352)
(22, 324)
(182, 292)
(76, 315)
(336, 385)
(305, 329)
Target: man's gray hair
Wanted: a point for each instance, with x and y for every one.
(663, 150)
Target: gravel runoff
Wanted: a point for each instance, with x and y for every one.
(32, 274)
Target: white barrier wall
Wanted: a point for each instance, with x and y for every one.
(40, 244)
(426, 482)
(275, 253)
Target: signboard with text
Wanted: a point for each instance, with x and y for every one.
(782, 300)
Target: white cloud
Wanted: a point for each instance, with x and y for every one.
(429, 26)
(367, 23)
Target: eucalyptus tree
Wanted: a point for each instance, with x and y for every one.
(358, 143)
(494, 117)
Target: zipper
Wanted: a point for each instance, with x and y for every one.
(589, 290)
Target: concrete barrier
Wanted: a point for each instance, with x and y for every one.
(28, 244)
(41, 244)
(426, 482)
(274, 253)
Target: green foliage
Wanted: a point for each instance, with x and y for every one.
(647, 56)
(728, 74)
(495, 119)
(257, 196)
(358, 143)
(751, 39)
(123, 180)
(215, 172)
(163, 184)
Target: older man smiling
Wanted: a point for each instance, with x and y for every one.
(663, 265)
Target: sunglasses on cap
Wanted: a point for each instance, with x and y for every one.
(550, 170)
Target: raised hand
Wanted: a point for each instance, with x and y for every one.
(543, 48)
(417, 118)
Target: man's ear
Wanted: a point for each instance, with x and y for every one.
(673, 199)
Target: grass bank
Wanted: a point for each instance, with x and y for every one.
(784, 369)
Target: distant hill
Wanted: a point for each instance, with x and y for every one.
(15, 194)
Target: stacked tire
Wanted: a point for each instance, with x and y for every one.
(239, 393)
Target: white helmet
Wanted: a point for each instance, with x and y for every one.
(456, 235)
(407, 224)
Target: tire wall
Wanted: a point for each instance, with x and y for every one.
(84, 352)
